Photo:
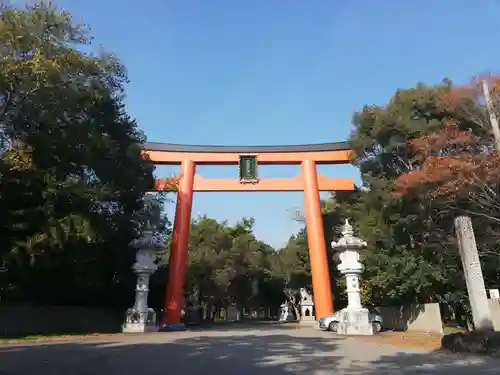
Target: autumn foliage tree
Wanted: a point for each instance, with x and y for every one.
(459, 165)
(415, 146)
(457, 168)
(451, 163)
(466, 104)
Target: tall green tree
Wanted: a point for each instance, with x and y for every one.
(291, 269)
(71, 173)
(409, 254)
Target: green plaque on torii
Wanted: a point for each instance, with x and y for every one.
(248, 168)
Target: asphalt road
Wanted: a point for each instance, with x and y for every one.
(263, 350)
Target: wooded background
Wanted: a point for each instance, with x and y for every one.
(72, 182)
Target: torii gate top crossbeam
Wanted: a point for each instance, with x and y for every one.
(174, 154)
(325, 153)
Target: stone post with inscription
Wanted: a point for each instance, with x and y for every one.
(473, 273)
(354, 319)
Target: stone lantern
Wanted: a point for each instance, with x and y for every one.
(141, 318)
(306, 307)
(354, 319)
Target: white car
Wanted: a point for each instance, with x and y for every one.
(331, 322)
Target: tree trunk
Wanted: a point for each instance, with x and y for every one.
(296, 311)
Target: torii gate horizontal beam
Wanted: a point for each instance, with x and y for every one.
(266, 184)
(171, 154)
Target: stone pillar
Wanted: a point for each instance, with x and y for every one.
(354, 319)
(318, 259)
(353, 290)
(142, 290)
(473, 273)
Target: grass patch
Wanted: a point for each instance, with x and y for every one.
(46, 337)
(408, 339)
(451, 328)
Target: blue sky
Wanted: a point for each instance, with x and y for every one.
(237, 72)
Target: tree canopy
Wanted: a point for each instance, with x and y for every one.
(228, 265)
(425, 157)
(71, 175)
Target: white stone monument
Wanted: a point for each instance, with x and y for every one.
(354, 319)
(140, 318)
(306, 307)
(284, 312)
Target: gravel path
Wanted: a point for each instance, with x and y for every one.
(265, 350)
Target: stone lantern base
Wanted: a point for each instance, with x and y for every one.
(136, 322)
(306, 307)
(306, 314)
(355, 321)
(139, 328)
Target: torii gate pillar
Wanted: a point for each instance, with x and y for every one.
(323, 298)
(174, 298)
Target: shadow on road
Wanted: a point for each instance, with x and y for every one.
(244, 325)
(433, 363)
(241, 355)
(268, 352)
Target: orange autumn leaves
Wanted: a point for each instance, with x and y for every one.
(444, 172)
(168, 184)
(453, 163)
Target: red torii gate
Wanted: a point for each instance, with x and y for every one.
(248, 158)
